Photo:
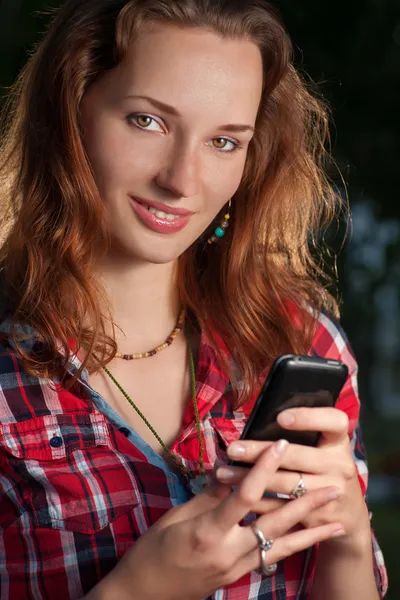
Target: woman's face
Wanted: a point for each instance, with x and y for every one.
(169, 129)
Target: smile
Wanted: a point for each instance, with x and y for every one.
(159, 220)
(160, 214)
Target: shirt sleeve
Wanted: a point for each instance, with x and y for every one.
(330, 341)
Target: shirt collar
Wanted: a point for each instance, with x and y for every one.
(27, 335)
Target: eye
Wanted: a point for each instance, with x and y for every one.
(143, 121)
(222, 142)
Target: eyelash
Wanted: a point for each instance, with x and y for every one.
(237, 145)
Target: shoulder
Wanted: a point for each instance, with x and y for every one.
(329, 338)
(331, 341)
(23, 396)
(20, 393)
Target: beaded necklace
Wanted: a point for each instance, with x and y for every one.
(168, 342)
(196, 483)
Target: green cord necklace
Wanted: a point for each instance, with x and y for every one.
(196, 483)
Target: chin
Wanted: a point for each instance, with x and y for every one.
(158, 258)
(158, 252)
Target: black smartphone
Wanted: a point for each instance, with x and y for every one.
(293, 381)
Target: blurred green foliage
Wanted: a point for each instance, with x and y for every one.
(386, 521)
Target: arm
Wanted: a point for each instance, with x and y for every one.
(345, 573)
(108, 588)
(354, 569)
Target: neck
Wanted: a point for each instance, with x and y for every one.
(143, 300)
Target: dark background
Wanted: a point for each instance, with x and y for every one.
(351, 48)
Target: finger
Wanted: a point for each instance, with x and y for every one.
(250, 490)
(268, 502)
(278, 523)
(207, 500)
(287, 546)
(232, 474)
(299, 458)
(284, 482)
(267, 505)
(331, 422)
(281, 482)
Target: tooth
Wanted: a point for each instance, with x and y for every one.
(162, 215)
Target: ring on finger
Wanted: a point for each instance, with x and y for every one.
(299, 489)
(265, 545)
(268, 569)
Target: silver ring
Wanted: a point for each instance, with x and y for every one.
(299, 489)
(265, 545)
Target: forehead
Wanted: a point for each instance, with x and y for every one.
(194, 67)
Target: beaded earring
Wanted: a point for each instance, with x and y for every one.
(223, 226)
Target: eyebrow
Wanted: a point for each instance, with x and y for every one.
(172, 111)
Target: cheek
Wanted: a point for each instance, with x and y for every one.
(225, 179)
(222, 186)
(115, 160)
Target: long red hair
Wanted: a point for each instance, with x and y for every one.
(244, 288)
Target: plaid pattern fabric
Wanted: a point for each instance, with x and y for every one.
(75, 492)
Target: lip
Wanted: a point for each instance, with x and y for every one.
(151, 221)
(172, 210)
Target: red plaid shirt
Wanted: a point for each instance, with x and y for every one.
(76, 492)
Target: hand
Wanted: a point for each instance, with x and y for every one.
(200, 547)
(331, 463)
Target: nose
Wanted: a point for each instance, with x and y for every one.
(181, 173)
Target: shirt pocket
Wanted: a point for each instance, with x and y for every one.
(65, 471)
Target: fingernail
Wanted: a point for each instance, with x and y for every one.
(286, 418)
(236, 450)
(338, 532)
(334, 494)
(225, 473)
(280, 447)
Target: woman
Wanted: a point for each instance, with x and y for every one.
(163, 173)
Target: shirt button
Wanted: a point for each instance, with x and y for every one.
(125, 431)
(56, 442)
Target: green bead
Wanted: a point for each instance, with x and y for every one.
(219, 232)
